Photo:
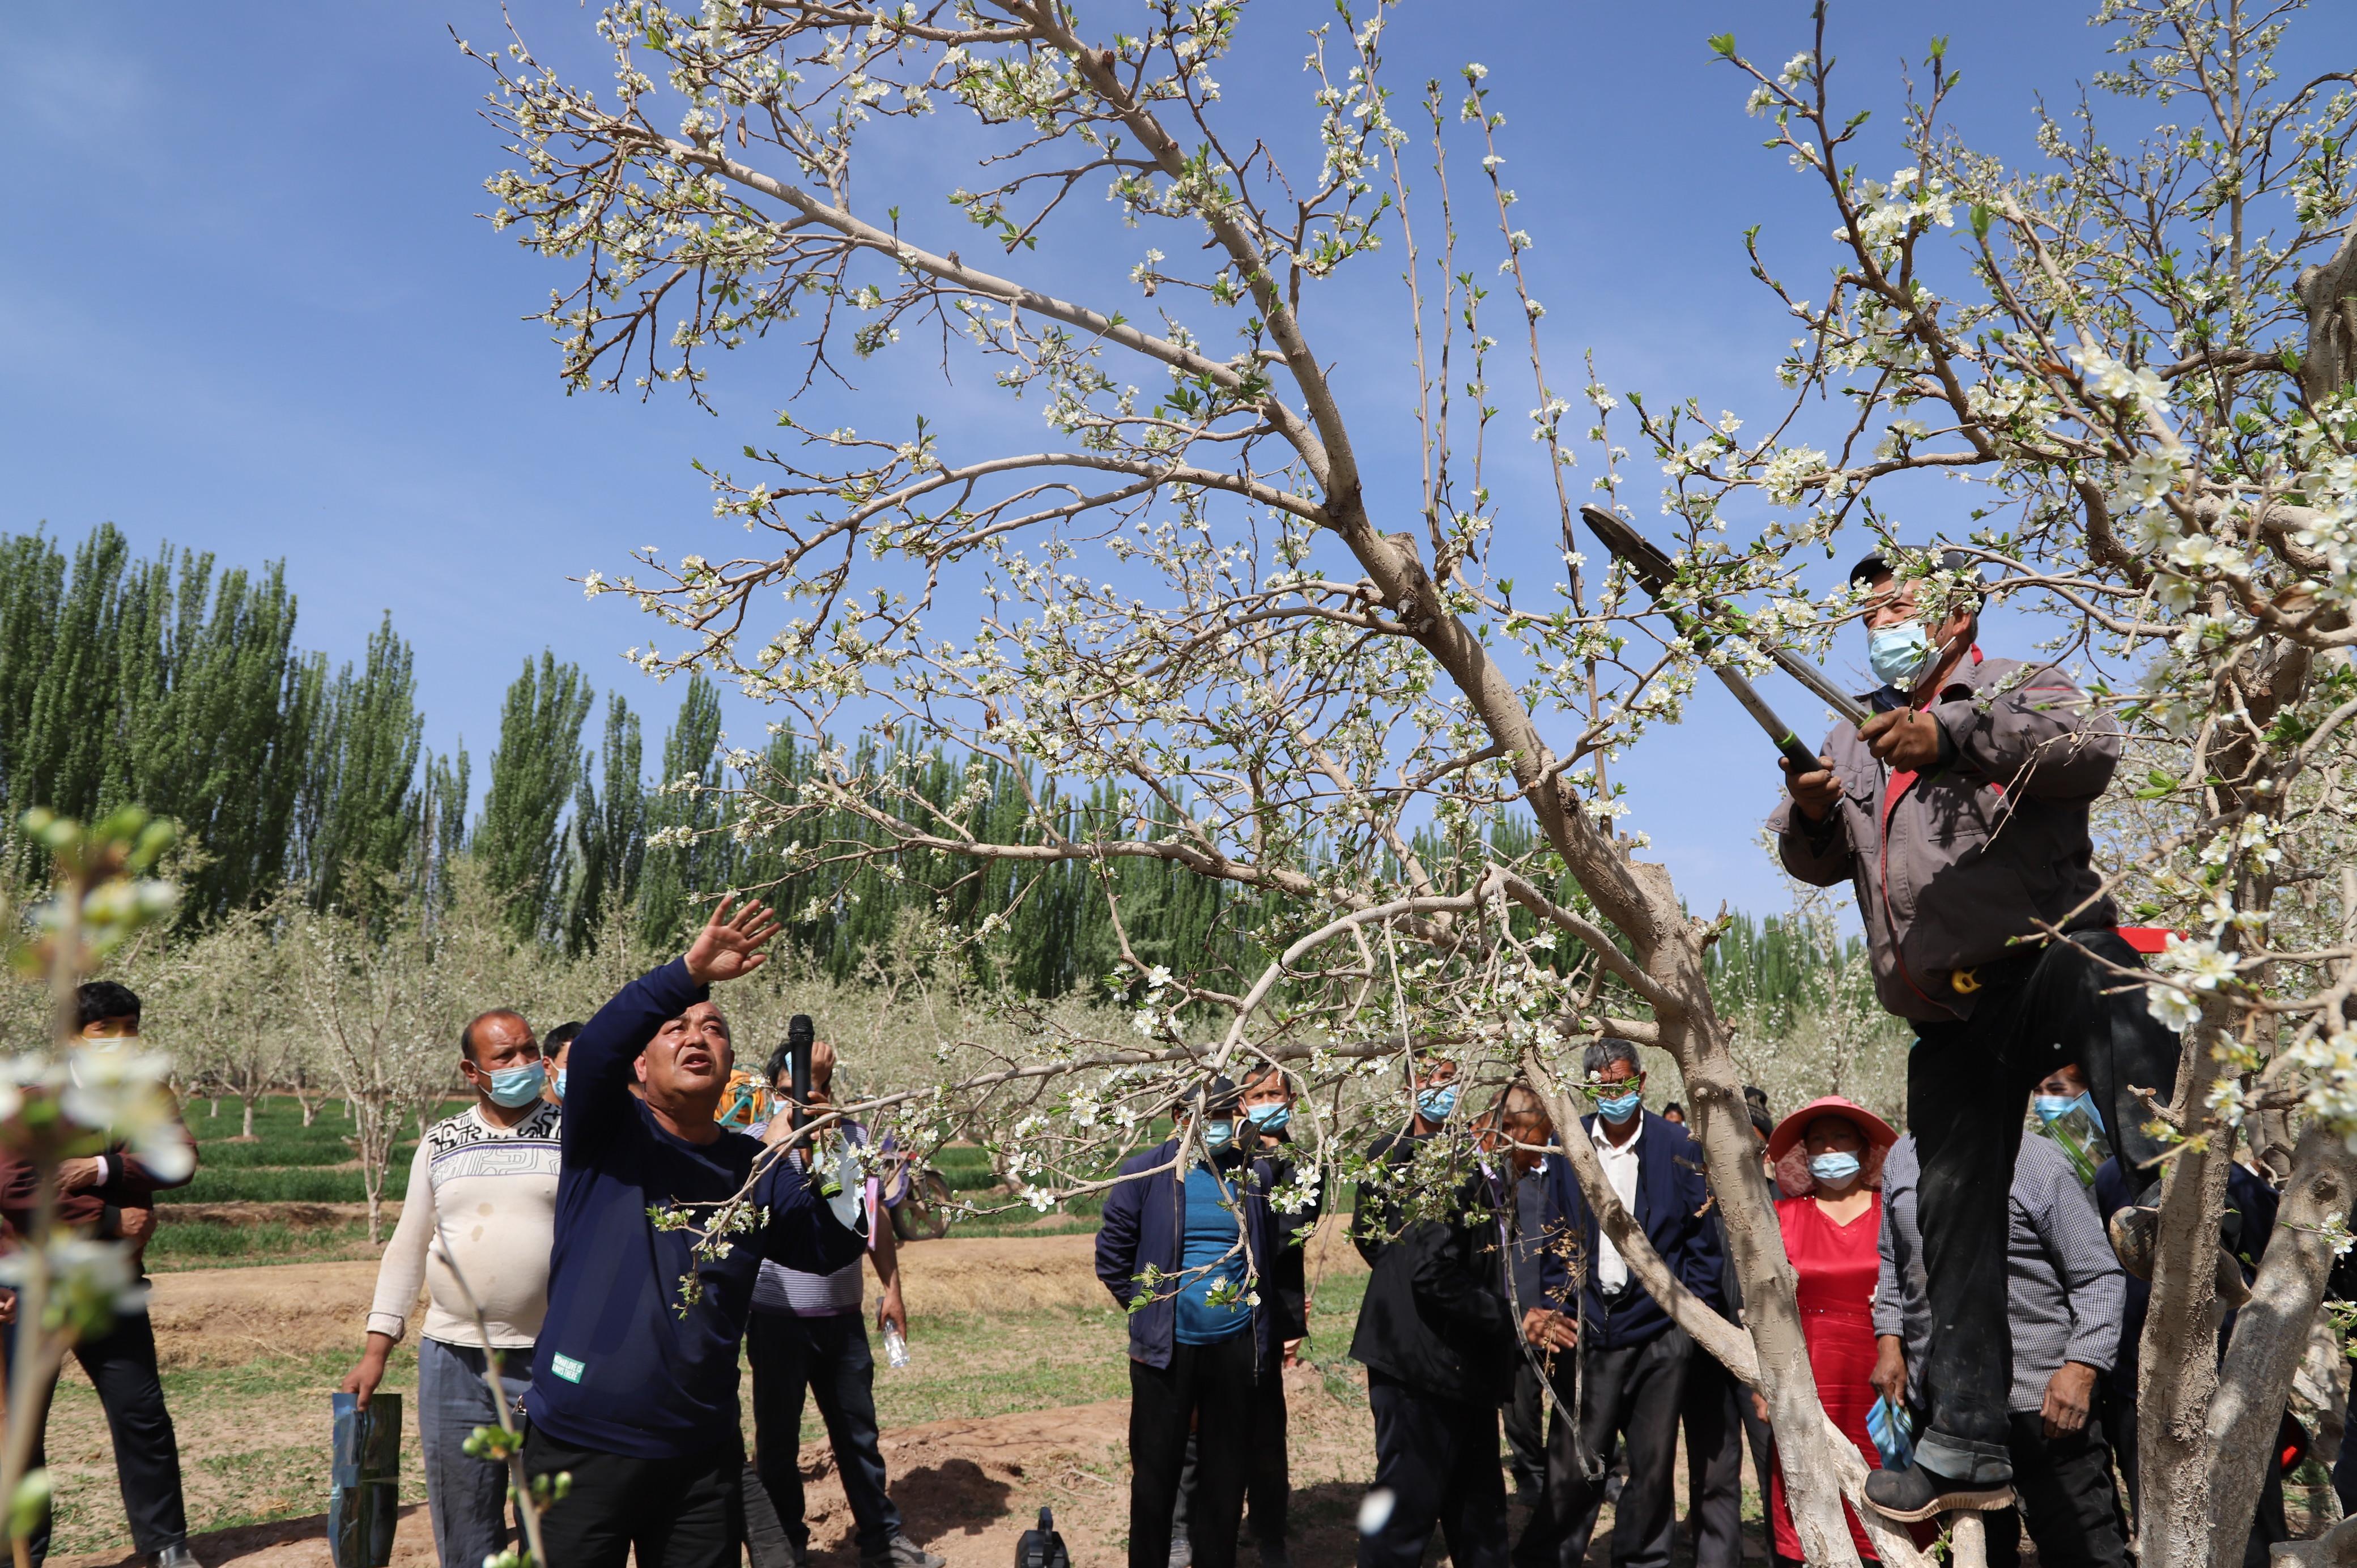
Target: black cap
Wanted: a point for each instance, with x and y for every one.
(1879, 565)
(1221, 1095)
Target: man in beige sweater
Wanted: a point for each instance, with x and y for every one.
(476, 1230)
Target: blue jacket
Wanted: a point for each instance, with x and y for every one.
(627, 1362)
(1671, 1200)
(1144, 1225)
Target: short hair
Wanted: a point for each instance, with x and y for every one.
(1755, 1096)
(1257, 1069)
(559, 1037)
(467, 1034)
(1671, 1106)
(1603, 1053)
(1763, 1124)
(1521, 1090)
(99, 999)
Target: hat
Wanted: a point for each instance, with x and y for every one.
(1221, 1096)
(1872, 1128)
(1879, 565)
(1791, 1158)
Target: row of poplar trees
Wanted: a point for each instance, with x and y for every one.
(176, 684)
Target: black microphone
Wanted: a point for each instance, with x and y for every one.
(800, 1034)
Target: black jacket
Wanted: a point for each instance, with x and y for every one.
(1284, 1283)
(1435, 1315)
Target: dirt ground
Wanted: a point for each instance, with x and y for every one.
(1016, 1334)
(216, 1317)
(966, 1489)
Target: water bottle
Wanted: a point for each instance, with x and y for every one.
(896, 1347)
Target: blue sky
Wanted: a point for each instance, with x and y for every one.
(249, 308)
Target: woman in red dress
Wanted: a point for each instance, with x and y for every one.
(1828, 1160)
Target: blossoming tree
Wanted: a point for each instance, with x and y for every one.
(1213, 625)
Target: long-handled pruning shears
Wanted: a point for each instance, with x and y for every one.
(1655, 573)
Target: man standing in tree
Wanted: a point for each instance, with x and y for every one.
(634, 1378)
(475, 1229)
(1959, 815)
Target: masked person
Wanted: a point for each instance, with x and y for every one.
(477, 1219)
(110, 1195)
(1959, 815)
(1267, 1105)
(809, 1334)
(2065, 1297)
(1179, 1249)
(1632, 1359)
(552, 1049)
(634, 1376)
(1829, 1160)
(1437, 1332)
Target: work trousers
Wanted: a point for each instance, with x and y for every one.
(685, 1512)
(1712, 1414)
(1526, 1419)
(1966, 1082)
(1630, 1393)
(121, 1365)
(831, 1357)
(1206, 1387)
(468, 1498)
(1268, 1482)
(2067, 1500)
(1438, 1460)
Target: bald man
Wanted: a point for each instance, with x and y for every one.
(484, 1186)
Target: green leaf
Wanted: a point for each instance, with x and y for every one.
(1980, 220)
(1724, 43)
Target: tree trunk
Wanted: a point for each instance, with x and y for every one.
(2271, 1336)
(1820, 1465)
(310, 1108)
(248, 1133)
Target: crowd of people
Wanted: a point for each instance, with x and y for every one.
(564, 1224)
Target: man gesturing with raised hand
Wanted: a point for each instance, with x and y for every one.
(634, 1378)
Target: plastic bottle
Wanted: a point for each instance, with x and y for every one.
(895, 1348)
(2074, 1132)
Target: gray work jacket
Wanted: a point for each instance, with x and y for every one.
(1976, 854)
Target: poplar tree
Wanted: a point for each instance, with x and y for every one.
(610, 832)
(365, 800)
(534, 771)
(683, 856)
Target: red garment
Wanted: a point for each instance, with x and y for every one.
(1837, 1265)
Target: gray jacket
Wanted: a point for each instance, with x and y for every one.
(2064, 1291)
(1976, 854)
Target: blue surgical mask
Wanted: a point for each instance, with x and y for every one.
(1617, 1108)
(1833, 1167)
(1896, 653)
(514, 1086)
(1438, 1102)
(560, 1083)
(2055, 1107)
(1270, 1116)
(1219, 1134)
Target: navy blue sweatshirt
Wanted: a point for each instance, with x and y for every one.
(622, 1367)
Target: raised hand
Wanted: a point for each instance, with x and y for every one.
(729, 946)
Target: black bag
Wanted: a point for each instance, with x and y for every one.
(1042, 1547)
(364, 1475)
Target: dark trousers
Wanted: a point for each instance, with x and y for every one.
(1269, 1480)
(1438, 1459)
(121, 1365)
(1526, 1419)
(830, 1357)
(1207, 1385)
(1631, 1391)
(673, 1513)
(1966, 1082)
(1715, 1434)
(2067, 1500)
